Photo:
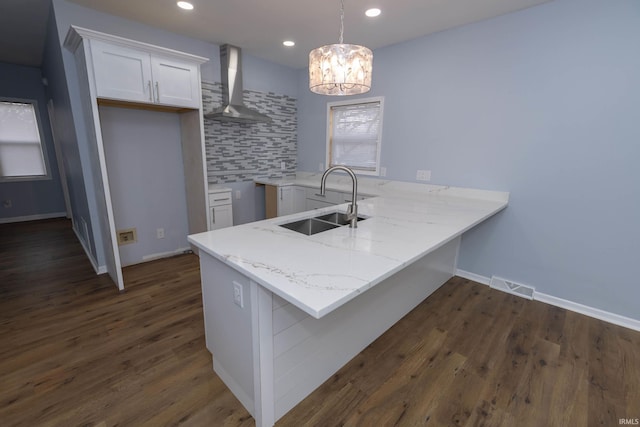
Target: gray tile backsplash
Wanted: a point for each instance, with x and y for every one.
(239, 152)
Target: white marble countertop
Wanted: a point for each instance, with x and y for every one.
(278, 182)
(320, 273)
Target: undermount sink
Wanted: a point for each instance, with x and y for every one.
(339, 218)
(311, 226)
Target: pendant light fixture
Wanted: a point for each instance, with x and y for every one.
(340, 69)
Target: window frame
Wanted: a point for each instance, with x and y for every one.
(43, 147)
(359, 101)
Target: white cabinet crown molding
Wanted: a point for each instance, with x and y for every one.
(76, 34)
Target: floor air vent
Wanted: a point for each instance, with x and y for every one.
(511, 287)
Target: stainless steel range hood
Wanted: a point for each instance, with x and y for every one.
(233, 108)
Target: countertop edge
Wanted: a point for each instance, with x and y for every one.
(193, 239)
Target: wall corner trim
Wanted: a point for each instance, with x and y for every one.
(99, 269)
(596, 313)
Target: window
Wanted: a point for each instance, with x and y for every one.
(21, 154)
(354, 134)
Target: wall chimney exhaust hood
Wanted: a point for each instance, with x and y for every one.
(233, 108)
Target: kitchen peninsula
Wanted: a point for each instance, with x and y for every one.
(284, 311)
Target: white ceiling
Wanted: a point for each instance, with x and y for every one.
(260, 26)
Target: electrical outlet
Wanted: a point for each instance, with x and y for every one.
(238, 194)
(7, 203)
(383, 171)
(237, 294)
(160, 233)
(283, 166)
(423, 175)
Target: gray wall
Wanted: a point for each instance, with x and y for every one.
(542, 103)
(75, 156)
(37, 198)
(143, 150)
(259, 75)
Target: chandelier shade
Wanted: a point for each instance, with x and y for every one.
(340, 69)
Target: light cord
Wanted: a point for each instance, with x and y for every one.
(341, 21)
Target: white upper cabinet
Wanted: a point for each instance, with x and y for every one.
(175, 82)
(122, 73)
(135, 75)
(127, 70)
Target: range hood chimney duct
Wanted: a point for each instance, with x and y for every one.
(233, 108)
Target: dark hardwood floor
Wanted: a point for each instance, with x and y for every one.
(75, 352)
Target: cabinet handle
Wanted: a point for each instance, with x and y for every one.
(281, 194)
(213, 215)
(150, 91)
(219, 200)
(157, 92)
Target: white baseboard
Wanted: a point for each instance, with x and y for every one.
(33, 217)
(160, 255)
(596, 313)
(473, 276)
(616, 319)
(99, 269)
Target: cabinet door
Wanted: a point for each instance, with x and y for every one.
(285, 201)
(121, 73)
(175, 83)
(317, 204)
(299, 199)
(221, 216)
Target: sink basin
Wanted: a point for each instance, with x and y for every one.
(339, 218)
(310, 226)
(320, 223)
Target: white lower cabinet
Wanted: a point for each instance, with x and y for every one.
(317, 204)
(291, 200)
(221, 208)
(221, 216)
(331, 198)
(316, 201)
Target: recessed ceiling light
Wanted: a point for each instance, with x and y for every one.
(289, 43)
(185, 5)
(373, 12)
